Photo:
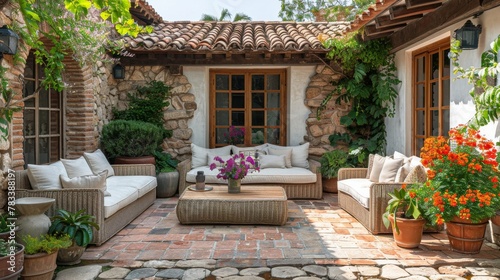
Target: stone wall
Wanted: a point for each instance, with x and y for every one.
(176, 116)
(318, 131)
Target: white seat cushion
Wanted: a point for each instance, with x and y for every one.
(143, 184)
(121, 196)
(358, 188)
(294, 175)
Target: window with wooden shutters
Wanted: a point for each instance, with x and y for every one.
(431, 93)
(253, 100)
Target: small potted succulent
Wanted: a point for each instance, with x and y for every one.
(78, 226)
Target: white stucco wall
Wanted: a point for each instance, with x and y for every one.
(461, 107)
(297, 81)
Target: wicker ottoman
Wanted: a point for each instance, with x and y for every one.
(264, 205)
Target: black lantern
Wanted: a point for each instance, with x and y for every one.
(118, 71)
(468, 35)
(8, 41)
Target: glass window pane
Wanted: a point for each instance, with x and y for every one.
(237, 82)
(257, 82)
(446, 122)
(421, 123)
(43, 99)
(54, 149)
(222, 118)
(258, 118)
(221, 135)
(420, 96)
(257, 100)
(238, 118)
(434, 95)
(273, 100)
(258, 136)
(221, 100)
(43, 150)
(434, 122)
(54, 122)
(238, 100)
(421, 69)
(43, 122)
(446, 63)
(41, 72)
(446, 93)
(420, 144)
(29, 122)
(29, 69)
(54, 99)
(273, 135)
(29, 151)
(221, 82)
(435, 65)
(273, 82)
(29, 88)
(273, 118)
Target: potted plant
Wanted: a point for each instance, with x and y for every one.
(331, 162)
(6, 227)
(233, 170)
(166, 174)
(403, 214)
(126, 141)
(40, 254)
(78, 226)
(462, 186)
(11, 259)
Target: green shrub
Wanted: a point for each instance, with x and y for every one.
(45, 243)
(164, 162)
(131, 138)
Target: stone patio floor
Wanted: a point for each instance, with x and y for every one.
(316, 230)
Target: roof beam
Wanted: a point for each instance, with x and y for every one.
(371, 29)
(419, 3)
(385, 21)
(401, 11)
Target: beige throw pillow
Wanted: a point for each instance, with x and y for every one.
(417, 174)
(378, 164)
(282, 152)
(200, 154)
(390, 169)
(272, 161)
(98, 162)
(86, 182)
(300, 154)
(77, 167)
(44, 177)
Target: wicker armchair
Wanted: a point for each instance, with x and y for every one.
(371, 217)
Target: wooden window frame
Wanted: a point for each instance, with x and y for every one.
(427, 52)
(248, 101)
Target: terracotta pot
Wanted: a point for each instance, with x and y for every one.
(11, 266)
(70, 255)
(135, 160)
(39, 266)
(465, 236)
(233, 186)
(410, 231)
(329, 185)
(496, 219)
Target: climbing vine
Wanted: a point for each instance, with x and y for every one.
(369, 83)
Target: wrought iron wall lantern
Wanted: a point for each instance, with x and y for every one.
(8, 41)
(118, 71)
(468, 35)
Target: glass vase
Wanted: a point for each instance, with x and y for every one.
(233, 185)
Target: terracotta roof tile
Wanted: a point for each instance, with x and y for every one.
(236, 36)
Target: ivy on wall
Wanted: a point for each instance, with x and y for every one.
(369, 83)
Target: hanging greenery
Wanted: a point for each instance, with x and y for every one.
(369, 84)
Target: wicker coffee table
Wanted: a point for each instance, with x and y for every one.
(264, 205)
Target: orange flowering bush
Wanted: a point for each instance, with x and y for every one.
(462, 177)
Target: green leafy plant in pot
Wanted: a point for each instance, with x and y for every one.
(331, 162)
(166, 174)
(40, 254)
(404, 214)
(11, 259)
(78, 226)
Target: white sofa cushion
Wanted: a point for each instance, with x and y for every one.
(98, 162)
(294, 175)
(60, 166)
(121, 196)
(77, 167)
(378, 164)
(86, 182)
(272, 161)
(44, 177)
(200, 155)
(282, 152)
(210, 159)
(357, 188)
(143, 184)
(390, 169)
(300, 154)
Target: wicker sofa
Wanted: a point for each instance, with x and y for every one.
(365, 199)
(131, 203)
(299, 182)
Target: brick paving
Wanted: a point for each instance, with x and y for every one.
(317, 231)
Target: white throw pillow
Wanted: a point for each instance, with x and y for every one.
(282, 152)
(378, 164)
(272, 161)
(200, 155)
(44, 177)
(403, 171)
(390, 169)
(300, 154)
(86, 182)
(210, 159)
(60, 166)
(98, 162)
(77, 167)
